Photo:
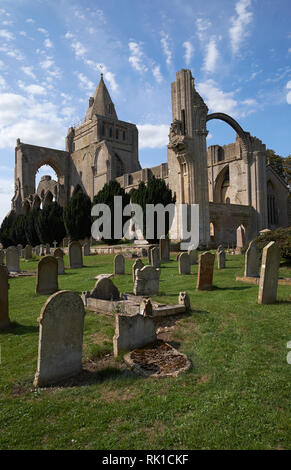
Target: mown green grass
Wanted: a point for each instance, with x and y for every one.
(236, 396)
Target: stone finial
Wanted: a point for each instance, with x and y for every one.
(184, 299)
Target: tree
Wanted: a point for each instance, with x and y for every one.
(49, 224)
(77, 216)
(155, 192)
(281, 165)
(30, 227)
(106, 196)
(18, 230)
(6, 228)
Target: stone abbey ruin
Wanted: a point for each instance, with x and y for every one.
(238, 193)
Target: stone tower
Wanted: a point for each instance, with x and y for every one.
(187, 155)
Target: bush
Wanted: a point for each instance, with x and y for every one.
(77, 216)
(30, 227)
(49, 223)
(18, 230)
(6, 230)
(282, 236)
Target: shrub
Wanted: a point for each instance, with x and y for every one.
(281, 235)
(77, 216)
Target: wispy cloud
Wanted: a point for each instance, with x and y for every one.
(32, 89)
(136, 56)
(288, 96)
(202, 26)
(28, 71)
(84, 82)
(165, 42)
(211, 57)
(157, 73)
(189, 50)
(6, 35)
(238, 31)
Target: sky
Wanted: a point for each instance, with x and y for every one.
(53, 51)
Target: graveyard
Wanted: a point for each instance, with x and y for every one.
(235, 395)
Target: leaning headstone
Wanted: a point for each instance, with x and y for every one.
(133, 331)
(138, 264)
(252, 260)
(269, 274)
(184, 263)
(28, 252)
(61, 265)
(221, 259)
(47, 276)
(75, 255)
(4, 309)
(205, 271)
(58, 253)
(86, 249)
(147, 281)
(155, 257)
(61, 325)
(193, 256)
(12, 259)
(2, 256)
(165, 249)
(119, 264)
(47, 249)
(105, 290)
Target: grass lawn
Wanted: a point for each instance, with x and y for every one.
(236, 396)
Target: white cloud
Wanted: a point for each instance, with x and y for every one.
(157, 73)
(32, 89)
(78, 48)
(28, 71)
(84, 82)
(136, 56)
(100, 67)
(202, 26)
(6, 35)
(288, 96)
(238, 31)
(165, 42)
(189, 49)
(47, 43)
(6, 194)
(2, 65)
(211, 57)
(288, 84)
(153, 136)
(11, 52)
(29, 20)
(2, 83)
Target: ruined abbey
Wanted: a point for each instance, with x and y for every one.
(235, 188)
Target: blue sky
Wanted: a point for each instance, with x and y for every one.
(51, 54)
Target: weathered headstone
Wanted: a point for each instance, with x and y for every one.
(133, 331)
(2, 256)
(28, 252)
(165, 249)
(193, 256)
(146, 307)
(269, 274)
(105, 290)
(61, 265)
(155, 257)
(240, 238)
(12, 259)
(119, 264)
(37, 250)
(42, 250)
(19, 248)
(184, 263)
(47, 276)
(75, 255)
(205, 271)
(221, 259)
(252, 260)
(149, 254)
(138, 264)
(47, 249)
(4, 309)
(86, 249)
(61, 326)
(147, 281)
(58, 253)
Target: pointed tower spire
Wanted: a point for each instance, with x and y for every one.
(101, 103)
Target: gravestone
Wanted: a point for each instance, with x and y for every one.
(75, 255)
(61, 325)
(58, 253)
(193, 254)
(28, 252)
(149, 254)
(133, 331)
(178, 256)
(155, 257)
(47, 276)
(252, 260)
(269, 274)
(184, 263)
(4, 309)
(42, 250)
(205, 271)
(165, 250)
(240, 238)
(146, 307)
(147, 281)
(119, 264)
(221, 259)
(47, 249)
(55, 244)
(61, 265)
(19, 248)
(2, 256)
(184, 299)
(86, 249)
(12, 259)
(105, 290)
(138, 264)
(37, 250)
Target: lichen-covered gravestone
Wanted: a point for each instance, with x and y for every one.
(47, 276)
(269, 274)
(146, 281)
(155, 257)
(4, 309)
(184, 263)
(165, 250)
(28, 252)
(58, 253)
(221, 259)
(86, 249)
(61, 326)
(104, 289)
(205, 271)
(133, 331)
(138, 264)
(61, 265)
(193, 256)
(119, 264)
(252, 260)
(12, 259)
(37, 250)
(75, 255)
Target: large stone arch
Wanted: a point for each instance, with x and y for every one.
(236, 127)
